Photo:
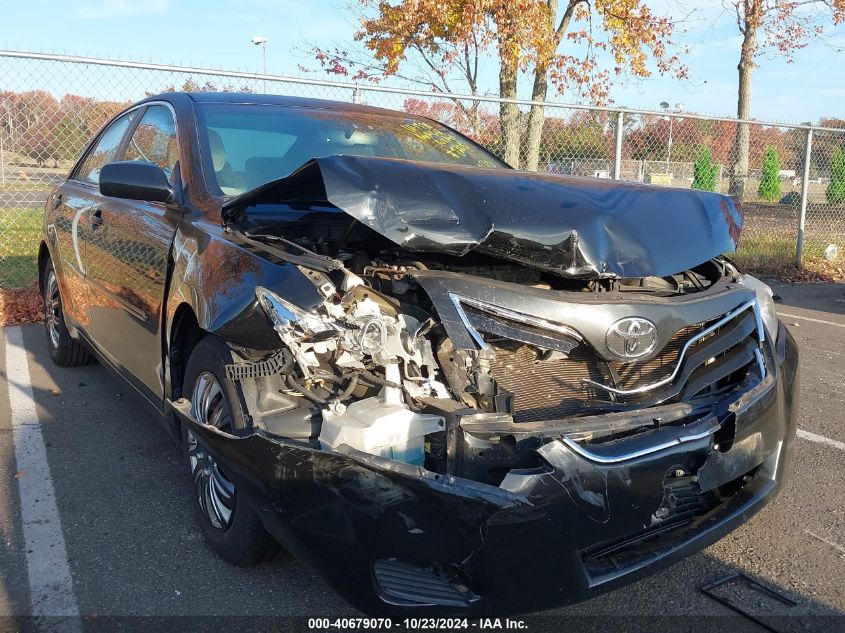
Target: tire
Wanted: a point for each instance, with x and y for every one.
(230, 527)
(64, 351)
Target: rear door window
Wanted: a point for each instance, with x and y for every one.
(104, 150)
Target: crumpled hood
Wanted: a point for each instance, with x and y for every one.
(576, 227)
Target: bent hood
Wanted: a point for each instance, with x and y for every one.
(575, 227)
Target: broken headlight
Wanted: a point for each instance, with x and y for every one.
(765, 303)
(289, 318)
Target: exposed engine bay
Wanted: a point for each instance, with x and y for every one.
(375, 368)
(458, 337)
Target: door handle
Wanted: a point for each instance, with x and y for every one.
(96, 219)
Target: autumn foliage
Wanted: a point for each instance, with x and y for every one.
(575, 48)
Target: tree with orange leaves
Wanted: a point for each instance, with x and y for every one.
(525, 36)
(782, 26)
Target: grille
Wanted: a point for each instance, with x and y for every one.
(407, 584)
(683, 502)
(550, 385)
(633, 375)
(544, 389)
(683, 506)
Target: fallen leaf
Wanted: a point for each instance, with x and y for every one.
(21, 306)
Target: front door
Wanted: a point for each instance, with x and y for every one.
(128, 256)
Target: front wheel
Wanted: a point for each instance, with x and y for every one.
(229, 525)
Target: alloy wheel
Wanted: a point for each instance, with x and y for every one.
(52, 309)
(215, 493)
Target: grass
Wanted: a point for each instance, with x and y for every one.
(19, 233)
(26, 185)
(774, 255)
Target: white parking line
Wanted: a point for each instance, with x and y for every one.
(50, 584)
(820, 439)
(798, 316)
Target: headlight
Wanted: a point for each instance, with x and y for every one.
(765, 303)
(287, 317)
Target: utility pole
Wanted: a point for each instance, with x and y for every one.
(617, 154)
(805, 191)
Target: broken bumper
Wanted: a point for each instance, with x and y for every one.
(395, 539)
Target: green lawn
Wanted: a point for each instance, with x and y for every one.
(19, 232)
(26, 185)
(774, 253)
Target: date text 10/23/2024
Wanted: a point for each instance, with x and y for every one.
(482, 624)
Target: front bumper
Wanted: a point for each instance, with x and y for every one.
(387, 535)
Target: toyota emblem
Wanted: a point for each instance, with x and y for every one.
(631, 338)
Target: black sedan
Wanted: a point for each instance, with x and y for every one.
(448, 386)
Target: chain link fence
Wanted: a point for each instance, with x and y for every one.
(792, 187)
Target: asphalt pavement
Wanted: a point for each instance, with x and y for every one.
(134, 553)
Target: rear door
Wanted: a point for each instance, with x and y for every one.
(128, 258)
(74, 223)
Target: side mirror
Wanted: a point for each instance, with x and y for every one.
(135, 180)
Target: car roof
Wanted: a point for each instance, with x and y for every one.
(267, 99)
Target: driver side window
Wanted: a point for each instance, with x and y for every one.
(154, 140)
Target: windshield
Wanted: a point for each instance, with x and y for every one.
(247, 145)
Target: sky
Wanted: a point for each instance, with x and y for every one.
(217, 34)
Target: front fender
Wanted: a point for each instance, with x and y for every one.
(217, 279)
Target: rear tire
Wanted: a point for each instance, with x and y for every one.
(64, 351)
(230, 527)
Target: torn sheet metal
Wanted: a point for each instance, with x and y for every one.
(575, 227)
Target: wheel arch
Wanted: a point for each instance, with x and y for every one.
(43, 256)
(185, 332)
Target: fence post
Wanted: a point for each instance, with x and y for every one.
(805, 188)
(617, 156)
(356, 94)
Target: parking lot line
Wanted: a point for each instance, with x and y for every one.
(820, 439)
(50, 584)
(798, 316)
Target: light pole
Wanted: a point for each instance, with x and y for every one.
(261, 41)
(4, 104)
(679, 107)
(2, 162)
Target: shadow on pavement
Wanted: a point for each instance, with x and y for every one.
(821, 297)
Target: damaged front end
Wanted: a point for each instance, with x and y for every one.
(466, 432)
